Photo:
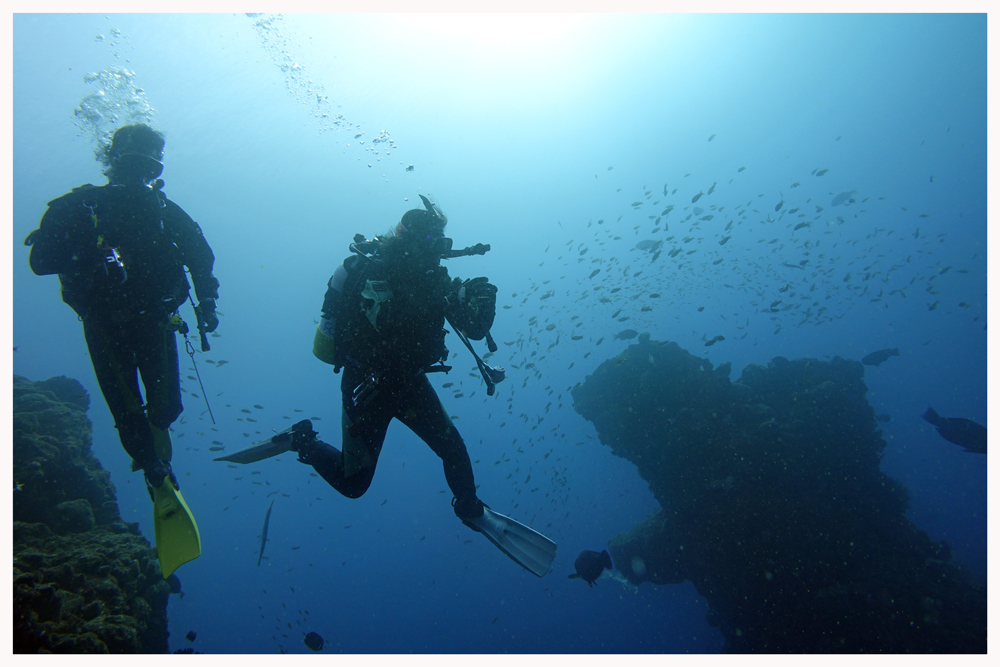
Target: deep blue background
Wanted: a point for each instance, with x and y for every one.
(515, 123)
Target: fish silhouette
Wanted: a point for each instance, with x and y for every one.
(590, 565)
(876, 358)
(842, 197)
(963, 432)
(263, 536)
(313, 641)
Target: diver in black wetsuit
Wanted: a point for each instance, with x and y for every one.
(386, 313)
(120, 252)
(383, 324)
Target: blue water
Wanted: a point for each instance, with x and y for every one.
(529, 131)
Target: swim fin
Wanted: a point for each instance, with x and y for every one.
(273, 445)
(177, 537)
(526, 547)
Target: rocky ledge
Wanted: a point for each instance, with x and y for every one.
(84, 580)
(774, 505)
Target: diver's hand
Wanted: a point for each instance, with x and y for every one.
(476, 291)
(208, 316)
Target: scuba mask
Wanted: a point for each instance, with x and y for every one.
(428, 246)
(439, 246)
(145, 167)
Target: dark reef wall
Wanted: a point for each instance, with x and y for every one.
(774, 506)
(84, 581)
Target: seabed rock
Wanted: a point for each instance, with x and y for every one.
(84, 580)
(773, 504)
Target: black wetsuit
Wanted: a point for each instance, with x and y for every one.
(391, 358)
(413, 402)
(125, 305)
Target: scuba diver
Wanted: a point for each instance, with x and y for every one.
(120, 252)
(383, 324)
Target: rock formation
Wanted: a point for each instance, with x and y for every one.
(84, 581)
(773, 504)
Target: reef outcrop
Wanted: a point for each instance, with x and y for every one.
(773, 504)
(84, 580)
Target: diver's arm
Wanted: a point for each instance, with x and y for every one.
(61, 244)
(472, 306)
(197, 254)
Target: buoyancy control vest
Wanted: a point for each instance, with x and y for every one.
(376, 319)
(130, 262)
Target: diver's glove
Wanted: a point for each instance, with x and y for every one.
(477, 306)
(208, 316)
(476, 292)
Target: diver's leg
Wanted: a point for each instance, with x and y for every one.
(426, 416)
(329, 463)
(350, 471)
(115, 367)
(156, 355)
(157, 361)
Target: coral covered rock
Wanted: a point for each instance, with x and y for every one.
(84, 581)
(773, 504)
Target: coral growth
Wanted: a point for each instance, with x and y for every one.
(84, 581)
(774, 506)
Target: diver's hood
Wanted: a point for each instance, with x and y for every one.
(428, 221)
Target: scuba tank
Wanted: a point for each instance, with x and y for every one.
(324, 340)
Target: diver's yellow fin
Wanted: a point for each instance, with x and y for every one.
(177, 537)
